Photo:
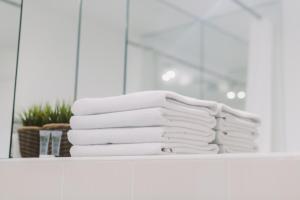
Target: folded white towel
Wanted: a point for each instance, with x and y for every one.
(227, 125)
(240, 135)
(142, 118)
(224, 110)
(141, 149)
(141, 100)
(222, 138)
(140, 135)
(232, 149)
(235, 121)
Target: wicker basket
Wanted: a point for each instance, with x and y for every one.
(65, 145)
(29, 140)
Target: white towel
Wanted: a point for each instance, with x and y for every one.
(240, 134)
(224, 110)
(231, 149)
(142, 118)
(141, 149)
(222, 138)
(141, 100)
(235, 121)
(234, 126)
(140, 135)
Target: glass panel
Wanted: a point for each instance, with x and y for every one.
(47, 55)
(228, 73)
(163, 40)
(9, 31)
(101, 60)
(205, 58)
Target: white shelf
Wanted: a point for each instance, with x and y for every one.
(209, 177)
(280, 155)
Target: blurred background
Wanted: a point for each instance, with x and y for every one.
(239, 52)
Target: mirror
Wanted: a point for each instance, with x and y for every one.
(69, 50)
(9, 36)
(166, 37)
(102, 44)
(47, 61)
(72, 49)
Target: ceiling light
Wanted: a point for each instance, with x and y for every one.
(165, 77)
(168, 75)
(230, 95)
(241, 94)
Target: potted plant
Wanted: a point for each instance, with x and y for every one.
(45, 117)
(32, 120)
(57, 118)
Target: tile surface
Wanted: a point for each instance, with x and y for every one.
(264, 179)
(220, 178)
(180, 179)
(30, 180)
(91, 180)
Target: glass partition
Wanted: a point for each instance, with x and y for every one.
(173, 48)
(163, 40)
(9, 36)
(102, 44)
(80, 48)
(47, 61)
(228, 73)
(69, 49)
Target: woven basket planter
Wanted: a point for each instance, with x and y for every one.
(65, 145)
(29, 140)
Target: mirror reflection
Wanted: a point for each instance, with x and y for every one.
(9, 35)
(214, 50)
(46, 71)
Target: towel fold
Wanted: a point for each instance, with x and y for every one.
(141, 149)
(240, 135)
(139, 135)
(236, 130)
(224, 110)
(237, 126)
(141, 100)
(233, 120)
(223, 138)
(144, 118)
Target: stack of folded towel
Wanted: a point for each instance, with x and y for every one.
(143, 123)
(236, 130)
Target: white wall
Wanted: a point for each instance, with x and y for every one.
(7, 74)
(47, 52)
(9, 30)
(102, 48)
(291, 71)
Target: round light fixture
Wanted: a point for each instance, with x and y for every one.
(165, 77)
(230, 95)
(241, 94)
(168, 75)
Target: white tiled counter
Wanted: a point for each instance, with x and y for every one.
(215, 177)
